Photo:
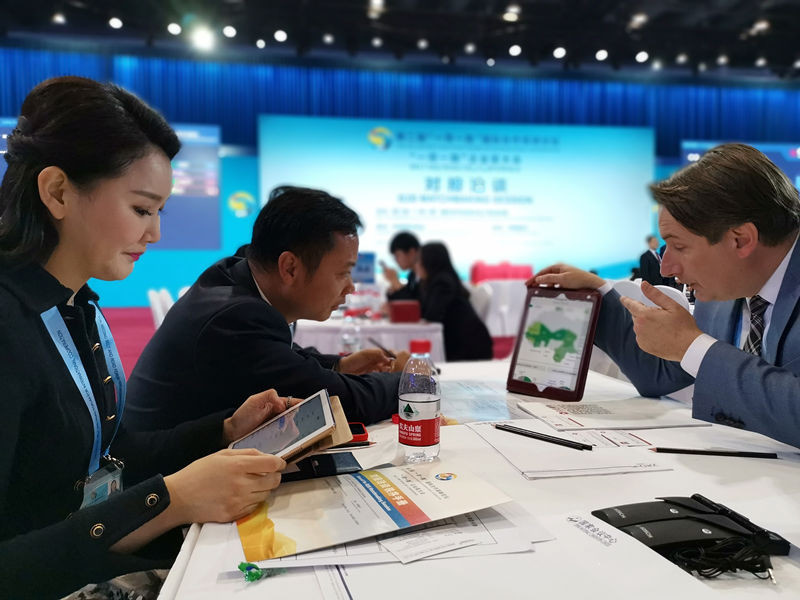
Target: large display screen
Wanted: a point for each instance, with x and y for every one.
(7, 125)
(785, 155)
(191, 218)
(529, 194)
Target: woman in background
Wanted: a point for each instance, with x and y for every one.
(88, 172)
(446, 301)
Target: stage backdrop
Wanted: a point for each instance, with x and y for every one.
(532, 194)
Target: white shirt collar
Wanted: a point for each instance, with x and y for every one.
(260, 291)
(769, 291)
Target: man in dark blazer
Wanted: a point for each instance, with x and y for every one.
(230, 333)
(405, 248)
(731, 223)
(650, 262)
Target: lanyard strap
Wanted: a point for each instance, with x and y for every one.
(59, 333)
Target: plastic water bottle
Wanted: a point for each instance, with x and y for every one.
(420, 405)
(351, 336)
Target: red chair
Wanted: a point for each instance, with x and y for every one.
(481, 271)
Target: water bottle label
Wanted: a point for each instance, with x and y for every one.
(419, 423)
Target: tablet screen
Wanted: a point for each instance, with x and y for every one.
(281, 434)
(552, 341)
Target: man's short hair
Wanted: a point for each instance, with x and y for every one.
(302, 221)
(649, 238)
(730, 185)
(404, 241)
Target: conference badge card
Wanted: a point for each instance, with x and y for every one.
(317, 513)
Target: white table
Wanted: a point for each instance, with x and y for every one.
(326, 336)
(767, 491)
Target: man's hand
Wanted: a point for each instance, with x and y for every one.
(253, 412)
(365, 361)
(665, 330)
(391, 276)
(566, 276)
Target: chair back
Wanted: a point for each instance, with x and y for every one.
(480, 296)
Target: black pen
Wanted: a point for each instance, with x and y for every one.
(387, 352)
(543, 437)
(716, 452)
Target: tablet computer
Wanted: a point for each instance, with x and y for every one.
(293, 430)
(554, 343)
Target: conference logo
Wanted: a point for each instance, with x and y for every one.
(445, 476)
(380, 137)
(242, 204)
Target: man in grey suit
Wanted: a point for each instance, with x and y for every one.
(730, 222)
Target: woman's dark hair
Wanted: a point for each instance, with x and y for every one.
(302, 221)
(436, 261)
(90, 130)
(730, 185)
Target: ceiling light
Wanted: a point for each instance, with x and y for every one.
(760, 26)
(559, 52)
(203, 38)
(601, 55)
(445, 59)
(174, 29)
(280, 36)
(642, 56)
(261, 44)
(657, 65)
(489, 62)
(682, 58)
(701, 67)
(469, 48)
(512, 13)
(722, 60)
(761, 61)
(797, 64)
(59, 19)
(328, 38)
(229, 31)
(115, 23)
(422, 43)
(637, 21)
(515, 50)
(375, 9)
(376, 42)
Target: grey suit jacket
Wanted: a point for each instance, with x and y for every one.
(732, 387)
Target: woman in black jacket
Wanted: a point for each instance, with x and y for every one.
(88, 172)
(446, 300)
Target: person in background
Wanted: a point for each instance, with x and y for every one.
(445, 300)
(405, 249)
(88, 172)
(230, 335)
(731, 222)
(650, 262)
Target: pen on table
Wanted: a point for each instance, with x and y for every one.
(386, 351)
(543, 437)
(742, 454)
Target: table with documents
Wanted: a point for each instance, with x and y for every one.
(574, 555)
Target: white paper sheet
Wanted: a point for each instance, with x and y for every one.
(430, 542)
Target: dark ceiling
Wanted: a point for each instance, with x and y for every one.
(740, 31)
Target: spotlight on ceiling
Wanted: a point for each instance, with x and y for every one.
(203, 38)
(229, 31)
(638, 20)
(328, 38)
(722, 60)
(469, 48)
(642, 56)
(489, 62)
(657, 65)
(422, 43)
(261, 44)
(511, 15)
(174, 29)
(682, 58)
(559, 52)
(701, 67)
(115, 23)
(58, 19)
(376, 42)
(375, 8)
(601, 55)
(280, 36)
(797, 64)
(515, 50)
(761, 62)
(446, 59)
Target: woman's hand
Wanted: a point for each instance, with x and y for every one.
(253, 412)
(223, 486)
(566, 276)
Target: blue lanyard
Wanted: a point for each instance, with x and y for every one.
(69, 353)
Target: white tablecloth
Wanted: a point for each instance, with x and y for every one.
(326, 336)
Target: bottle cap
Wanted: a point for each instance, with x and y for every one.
(420, 346)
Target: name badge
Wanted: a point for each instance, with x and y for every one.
(101, 484)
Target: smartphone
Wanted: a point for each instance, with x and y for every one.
(359, 432)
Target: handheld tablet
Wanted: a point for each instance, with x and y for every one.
(292, 430)
(554, 343)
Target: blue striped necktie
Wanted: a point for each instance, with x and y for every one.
(758, 307)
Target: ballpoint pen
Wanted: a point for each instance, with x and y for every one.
(543, 437)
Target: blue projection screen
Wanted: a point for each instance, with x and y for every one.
(534, 194)
(786, 156)
(7, 125)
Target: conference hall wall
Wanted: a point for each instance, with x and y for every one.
(232, 95)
